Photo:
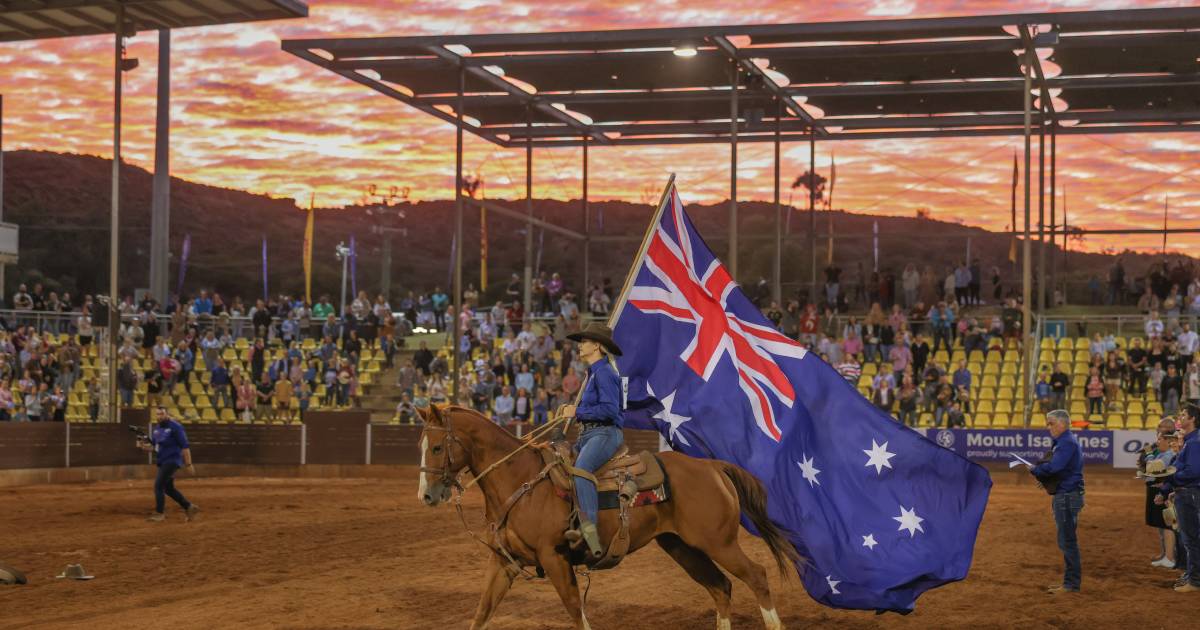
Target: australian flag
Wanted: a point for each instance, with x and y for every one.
(880, 513)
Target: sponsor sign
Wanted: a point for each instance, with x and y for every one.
(983, 445)
(1127, 445)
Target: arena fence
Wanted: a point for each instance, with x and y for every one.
(343, 438)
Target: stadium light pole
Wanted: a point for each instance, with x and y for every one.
(587, 228)
(1041, 261)
(343, 254)
(1053, 216)
(160, 197)
(812, 211)
(2, 291)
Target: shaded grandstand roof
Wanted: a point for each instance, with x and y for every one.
(1111, 71)
(42, 19)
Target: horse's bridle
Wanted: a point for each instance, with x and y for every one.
(445, 475)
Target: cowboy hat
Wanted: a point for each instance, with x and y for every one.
(75, 572)
(9, 575)
(1157, 468)
(1170, 519)
(599, 333)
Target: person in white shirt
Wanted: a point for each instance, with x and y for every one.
(1154, 325)
(503, 406)
(1188, 341)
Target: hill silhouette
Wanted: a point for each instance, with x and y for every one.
(61, 202)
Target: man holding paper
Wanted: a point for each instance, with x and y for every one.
(1066, 467)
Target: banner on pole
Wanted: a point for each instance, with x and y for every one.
(353, 267)
(183, 261)
(308, 243)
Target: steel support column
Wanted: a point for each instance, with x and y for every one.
(1026, 255)
(776, 266)
(585, 290)
(812, 212)
(2, 291)
(160, 199)
(1041, 258)
(114, 248)
(733, 170)
(458, 239)
(1053, 215)
(528, 301)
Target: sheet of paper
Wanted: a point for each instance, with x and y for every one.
(1019, 461)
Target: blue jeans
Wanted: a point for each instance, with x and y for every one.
(596, 446)
(1187, 508)
(1066, 516)
(164, 486)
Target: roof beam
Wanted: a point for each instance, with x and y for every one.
(1046, 101)
(487, 77)
(24, 30)
(953, 47)
(524, 217)
(750, 68)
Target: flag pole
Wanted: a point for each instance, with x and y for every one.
(619, 305)
(630, 277)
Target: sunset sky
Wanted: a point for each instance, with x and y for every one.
(247, 115)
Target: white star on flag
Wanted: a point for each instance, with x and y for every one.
(809, 471)
(869, 541)
(878, 457)
(909, 521)
(666, 415)
(833, 584)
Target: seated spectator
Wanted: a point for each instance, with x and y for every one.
(541, 408)
(853, 345)
(850, 369)
(955, 416)
(406, 410)
(1153, 326)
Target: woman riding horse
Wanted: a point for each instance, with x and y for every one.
(599, 413)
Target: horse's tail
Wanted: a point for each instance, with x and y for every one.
(752, 498)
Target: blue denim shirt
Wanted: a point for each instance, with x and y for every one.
(169, 442)
(1187, 465)
(601, 401)
(1066, 463)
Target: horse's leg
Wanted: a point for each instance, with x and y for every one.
(496, 583)
(702, 569)
(559, 571)
(733, 559)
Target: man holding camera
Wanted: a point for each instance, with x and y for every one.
(1065, 467)
(172, 452)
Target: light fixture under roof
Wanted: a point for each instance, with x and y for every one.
(778, 77)
(459, 49)
(1070, 122)
(815, 112)
(370, 74)
(496, 70)
(684, 50)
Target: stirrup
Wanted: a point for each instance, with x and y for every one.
(591, 536)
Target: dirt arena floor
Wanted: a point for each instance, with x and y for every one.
(358, 553)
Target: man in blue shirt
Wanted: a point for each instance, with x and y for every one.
(1185, 483)
(172, 452)
(1065, 467)
(599, 413)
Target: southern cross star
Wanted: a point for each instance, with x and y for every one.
(809, 471)
(878, 457)
(869, 541)
(909, 521)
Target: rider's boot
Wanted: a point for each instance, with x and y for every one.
(591, 537)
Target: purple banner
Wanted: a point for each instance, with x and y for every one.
(989, 445)
(183, 261)
(264, 257)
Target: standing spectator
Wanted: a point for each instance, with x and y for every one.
(423, 359)
(1043, 393)
(283, 399)
(974, 282)
(1139, 367)
(940, 321)
(1171, 390)
(850, 369)
(1153, 326)
(439, 301)
(263, 395)
(833, 276)
(908, 397)
(219, 383)
(809, 325)
(127, 381)
(1116, 283)
(1094, 391)
(910, 280)
(962, 382)
(900, 357)
(1189, 343)
(1059, 383)
(7, 405)
(502, 407)
(1191, 389)
(920, 354)
(884, 398)
(997, 287)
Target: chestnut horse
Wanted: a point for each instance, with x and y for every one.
(698, 526)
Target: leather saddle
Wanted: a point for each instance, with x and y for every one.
(642, 468)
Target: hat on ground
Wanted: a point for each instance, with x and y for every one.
(9, 575)
(75, 572)
(599, 333)
(1157, 468)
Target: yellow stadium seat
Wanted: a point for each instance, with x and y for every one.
(976, 356)
(208, 415)
(988, 380)
(202, 402)
(1004, 393)
(1004, 406)
(987, 393)
(196, 389)
(1007, 380)
(981, 420)
(1047, 343)
(870, 369)
(991, 368)
(1078, 408)
(227, 415)
(985, 406)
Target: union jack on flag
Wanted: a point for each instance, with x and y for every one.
(880, 513)
(698, 293)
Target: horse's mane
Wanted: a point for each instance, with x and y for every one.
(499, 436)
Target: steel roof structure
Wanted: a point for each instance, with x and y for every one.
(22, 20)
(1108, 72)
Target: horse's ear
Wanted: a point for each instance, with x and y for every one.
(429, 415)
